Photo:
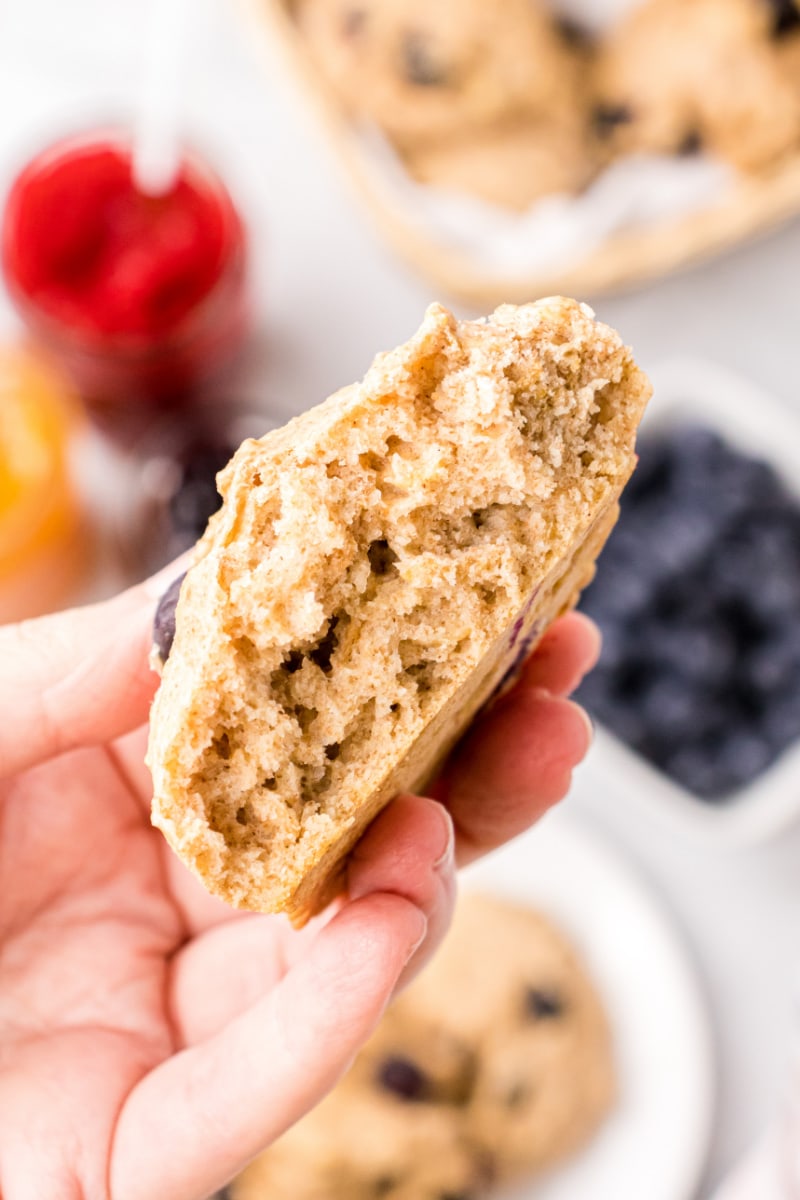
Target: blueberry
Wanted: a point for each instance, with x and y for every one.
(420, 64)
(691, 144)
(744, 754)
(404, 1078)
(606, 118)
(544, 1003)
(771, 665)
(703, 652)
(164, 620)
(669, 706)
(621, 593)
(785, 17)
(781, 723)
(196, 498)
(697, 768)
(574, 34)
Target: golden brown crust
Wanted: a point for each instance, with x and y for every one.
(376, 569)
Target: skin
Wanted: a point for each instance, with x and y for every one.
(152, 1040)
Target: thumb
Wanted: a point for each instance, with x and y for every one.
(76, 678)
(195, 1121)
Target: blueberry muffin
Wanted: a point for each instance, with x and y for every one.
(378, 568)
(496, 1063)
(678, 76)
(425, 70)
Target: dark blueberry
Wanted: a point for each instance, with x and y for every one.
(654, 471)
(544, 1003)
(785, 17)
(772, 665)
(196, 498)
(615, 594)
(744, 754)
(670, 707)
(699, 651)
(692, 144)
(404, 1078)
(574, 34)
(608, 117)
(164, 620)
(420, 64)
(699, 769)
(781, 722)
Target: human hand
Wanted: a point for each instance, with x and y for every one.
(152, 1040)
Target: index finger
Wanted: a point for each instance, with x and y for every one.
(518, 758)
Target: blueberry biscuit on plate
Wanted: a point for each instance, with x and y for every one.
(378, 568)
(496, 1063)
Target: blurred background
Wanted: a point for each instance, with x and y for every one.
(305, 225)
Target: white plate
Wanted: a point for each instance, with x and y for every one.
(688, 390)
(654, 1145)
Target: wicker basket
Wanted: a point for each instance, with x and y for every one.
(752, 206)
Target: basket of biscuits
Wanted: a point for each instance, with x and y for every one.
(534, 146)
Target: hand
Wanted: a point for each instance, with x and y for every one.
(152, 1040)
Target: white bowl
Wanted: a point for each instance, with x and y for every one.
(688, 390)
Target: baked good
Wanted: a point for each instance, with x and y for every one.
(678, 76)
(496, 1063)
(378, 567)
(424, 70)
(512, 164)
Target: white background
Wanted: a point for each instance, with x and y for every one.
(330, 295)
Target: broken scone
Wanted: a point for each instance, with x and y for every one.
(378, 569)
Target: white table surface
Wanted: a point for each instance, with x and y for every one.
(330, 295)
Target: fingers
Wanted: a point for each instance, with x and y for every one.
(408, 851)
(207, 1111)
(282, 1014)
(515, 765)
(569, 648)
(517, 760)
(222, 972)
(75, 678)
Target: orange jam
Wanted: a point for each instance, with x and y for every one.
(42, 547)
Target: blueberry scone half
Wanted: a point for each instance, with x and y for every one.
(378, 570)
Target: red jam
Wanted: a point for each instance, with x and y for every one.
(139, 296)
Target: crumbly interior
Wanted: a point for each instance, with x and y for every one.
(366, 559)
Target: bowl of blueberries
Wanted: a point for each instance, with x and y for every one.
(697, 692)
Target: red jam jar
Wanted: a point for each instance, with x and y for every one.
(139, 297)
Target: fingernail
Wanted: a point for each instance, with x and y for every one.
(588, 722)
(447, 855)
(416, 945)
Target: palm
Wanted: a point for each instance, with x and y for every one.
(87, 930)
